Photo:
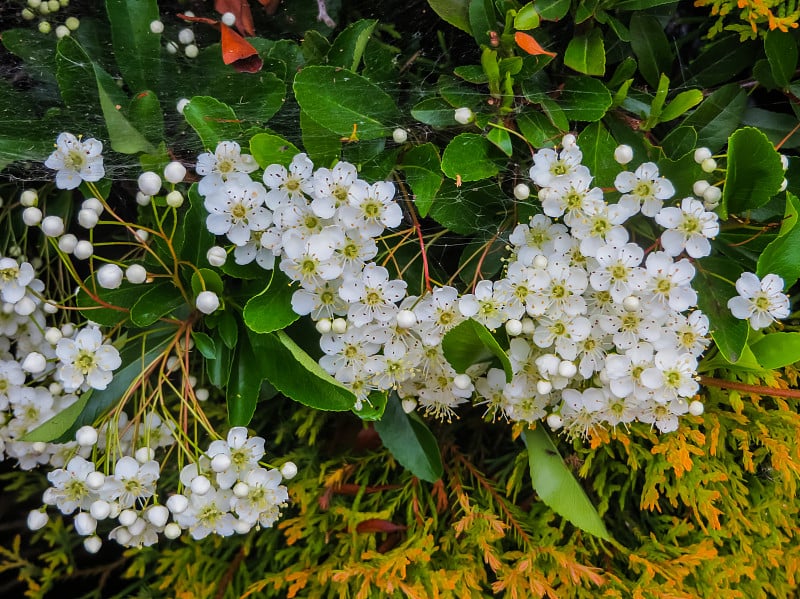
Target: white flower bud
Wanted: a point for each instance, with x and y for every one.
(29, 197)
(216, 255)
(44, 26)
(123, 536)
(25, 307)
(177, 504)
(174, 199)
(242, 527)
(156, 27)
(52, 335)
(540, 261)
(100, 509)
(142, 235)
(631, 303)
(784, 185)
(400, 135)
(513, 327)
(83, 249)
(699, 187)
(53, 5)
(95, 480)
(784, 161)
(172, 531)
(55, 388)
(136, 274)
(50, 307)
(87, 218)
(712, 195)
(39, 446)
(142, 199)
(522, 191)
(144, 454)
(72, 23)
(52, 226)
(174, 172)
(85, 525)
(109, 276)
(157, 515)
(567, 369)
(181, 105)
(228, 18)
(339, 326)
(463, 115)
(191, 51)
(406, 319)
(127, 517)
(289, 470)
(200, 485)
(67, 243)
(708, 165)
(544, 387)
(86, 436)
(623, 154)
(92, 204)
(186, 36)
(701, 154)
(28, 14)
(554, 421)
(149, 183)
(62, 31)
(696, 408)
(462, 381)
(171, 47)
(241, 489)
(408, 405)
(201, 394)
(528, 326)
(92, 544)
(67, 329)
(569, 140)
(207, 302)
(220, 462)
(323, 326)
(32, 216)
(37, 519)
(34, 363)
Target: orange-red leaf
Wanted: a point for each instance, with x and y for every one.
(530, 45)
(240, 10)
(238, 52)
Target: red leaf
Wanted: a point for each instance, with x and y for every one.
(530, 45)
(238, 52)
(240, 10)
(378, 525)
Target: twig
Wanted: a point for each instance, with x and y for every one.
(759, 389)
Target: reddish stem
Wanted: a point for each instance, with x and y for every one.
(759, 389)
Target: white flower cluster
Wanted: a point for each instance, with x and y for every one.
(600, 332)
(129, 495)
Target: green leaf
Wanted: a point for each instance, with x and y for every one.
(718, 116)
(781, 50)
(219, 367)
(123, 297)
(557, 487)
(75, 75)
(193, 238)
(500, 138)
(455, 12)
(272, 149)
(205, 279)
(552, 10)
(482, 20)
(471, 156)
(338, 99)
(411, 442)
(538, 129)
(777, 126)
(322, 145)
(374, 408)
(212, 120)
(470, 343)
(782, 255)
(598, 148)
(228, 329)
(679, 142)
(241, 393)
(683, 102)
(205, 345)
(158, 299)
(435, 111)
(125, 139)
(147, 117)
(423, 171)
(297, 375)
(349, 46)
(255, 98)
(586, 53)
(728, 332)
(487, 253)
(136, 49)
(776, 350)
(526, 18)
(651, 47)
(59, 424)
(271, 310)
(721, 62)
(755, 172)
(470, 208)
(585, 99)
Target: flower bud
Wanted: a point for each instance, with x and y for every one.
(86, 436)
(228, 18)
(554, 421)
(701, 154)
(174, 172)
(400, 135)
(191, 51)
(220, 462)
(567, 369)
(144, 454)
(52, 226)
(83, 249)
(100, 509)
(85, 525)
(172, 531)
(67, 243)
(623, 154)
(696, 408)
(174, 199)
(156, 27)
(34, 363)
(157, 515)
(289, 470)
(149, 183)
(29, 197)
(699, 187)
(207, 302)
(339, 326)
(463, 115)
(406, 319)
(544, 387)
(92, 544)
(522, 191)
(52, 335)
(177, 504)
(241, 489)
(37, 519)
(136, 274)
(186, 36)
(462, 381)
(409, 405)
(87, 218)
(514, 327)
(127, 517)
(216, 255)
(200, 485)
(323, 326)
(31, 216)
(708, 165)
(181, 105)
(95, 480)
(109, 276)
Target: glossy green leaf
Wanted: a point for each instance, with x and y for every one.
(557, 487)
(782, 255)
(154, 301)
(538, 129)
(728, 332)
(136, 49)
(526, 18)
(651, 47)
(255, 98)
(455, 12)
(348, 47)
(721, 62)
(470, 156)
(272, 149)
(598, 148)
(75, 76)
(470, 208)
(487, 253)
(212, 120)
(755, 172)
(482, 20)
(228, 329)
(59, 424)
(122, 299)
(339, 99)
(435, 111)
(586, 53)
(679, 142)
(271, 310)
(297, 375)
(205, 279)
(585, 99)
(781, 50)
(501, 139)
(470, 343)
(322, 145)
(680, 104)
(193, 238)
(718, 116)
(423, 171)
(776, 350)
(205, 345)
(241, 393)
(411, 442)
(219, 368)
(147, 116)
(552, 10)
(777, 126)
(124, 138)
(374, 408)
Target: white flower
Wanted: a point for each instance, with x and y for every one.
(332, 188)
(86, 361)
(643, 188)
(372, 296)
(484, 306)
(550, 166)
(760, 301)
(243, 452)
(372, 208)
(264, 498)
(132, 481)
(14, 279)
(76, 161)
(70, 491)
(288, 186)
(619, 270)
(236, 209)
(688, 227)
(321, 300)
(226, 162)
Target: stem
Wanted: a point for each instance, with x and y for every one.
(759, 389)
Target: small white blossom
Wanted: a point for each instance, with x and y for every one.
(759, 301)
(76, 161)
